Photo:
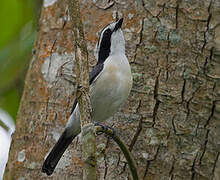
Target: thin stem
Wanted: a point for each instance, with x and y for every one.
(82, 74)
(124, 149)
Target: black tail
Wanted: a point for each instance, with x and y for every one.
(56, 153)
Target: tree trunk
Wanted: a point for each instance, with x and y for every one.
(171, 121)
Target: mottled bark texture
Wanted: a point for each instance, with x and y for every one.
(82, 76)
(171, 121)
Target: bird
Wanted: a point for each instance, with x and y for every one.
(110, 84)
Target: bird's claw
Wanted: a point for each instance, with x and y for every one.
(104, 128)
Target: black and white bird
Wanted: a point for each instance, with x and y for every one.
(110, 84)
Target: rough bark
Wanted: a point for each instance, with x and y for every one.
(82, 77)
(171, 121)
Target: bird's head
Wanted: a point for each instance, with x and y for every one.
(111, 41)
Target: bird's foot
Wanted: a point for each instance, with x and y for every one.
(104, 128)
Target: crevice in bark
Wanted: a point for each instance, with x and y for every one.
(214, 86)
(177, 13)
(193, 168)
(143, 4)
(183, 90)
(156, 107)
(140, 41)
(119, 158)
(155, 16)
(211, 53)
(213, 170)
(149, 162)
(167, 65)
(197, 127)
(204, 66)
(124, 168)
(204, 146)
(209, 8)
(168, 41)
(207, 61)
(168, 135)
(138, 131)
(163, 7)
(188, 103)
(47, 107)
(157, 103)
(196, 60)
(65, 18)
(211, 114)
(172, 168)
(173, 124)
(105, 160)
(167, 57)
(155, 36)
(207, 26)
(171, 178)
(147, 168)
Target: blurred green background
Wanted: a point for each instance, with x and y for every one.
(17, 35)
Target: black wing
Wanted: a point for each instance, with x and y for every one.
(95, 72)
(92, 75)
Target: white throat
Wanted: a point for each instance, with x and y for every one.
(117, 43)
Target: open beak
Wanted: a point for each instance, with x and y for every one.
(118, 24)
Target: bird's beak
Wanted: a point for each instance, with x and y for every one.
(118, 24)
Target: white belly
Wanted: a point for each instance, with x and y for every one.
(108, 92)
(111, 89)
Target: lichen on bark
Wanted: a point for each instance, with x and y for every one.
(171, 120)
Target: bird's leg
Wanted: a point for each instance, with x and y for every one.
(104, 128)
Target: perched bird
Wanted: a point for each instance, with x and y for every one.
(110, 84)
